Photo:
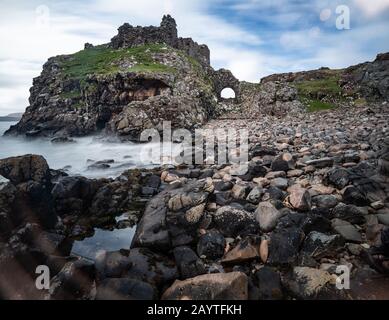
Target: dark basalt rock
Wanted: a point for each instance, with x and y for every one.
(211, 245)
(337, 177)
(188, 263)
(269, 284)
(352, 195)
(74, 281)
(233, 222)
(319, 245)
(125, 289)
(284, 246)
(348, 213)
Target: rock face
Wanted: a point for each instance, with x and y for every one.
(147, 75)
(369, 79)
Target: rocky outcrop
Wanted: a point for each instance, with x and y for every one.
(130, 36)
(369, 80)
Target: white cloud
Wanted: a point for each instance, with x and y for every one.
(249, 54)
(372, 8)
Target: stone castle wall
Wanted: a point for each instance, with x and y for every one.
(129, 36)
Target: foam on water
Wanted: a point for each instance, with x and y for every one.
(76, 157)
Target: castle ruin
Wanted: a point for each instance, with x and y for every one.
(130, 36)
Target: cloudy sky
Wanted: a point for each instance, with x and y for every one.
(253, 38)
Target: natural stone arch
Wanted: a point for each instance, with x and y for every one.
(225, 79)
(228, 93)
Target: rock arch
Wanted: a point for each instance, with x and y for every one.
(225, 79)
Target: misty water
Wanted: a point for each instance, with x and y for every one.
(76, 157)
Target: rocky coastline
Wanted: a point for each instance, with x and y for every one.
(315, 195)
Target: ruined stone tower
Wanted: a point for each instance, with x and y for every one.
(129, 36)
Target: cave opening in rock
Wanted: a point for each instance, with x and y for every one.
(228, 93)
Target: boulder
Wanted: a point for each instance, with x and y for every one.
(74, 281)
(347, 231)
(352, 195)
(211, 245)
(245, 250)
(269, 284)
(308, 283)
(125, 289)
(255, 195)
(284, 162)
(319, 245)
(188, 263)
(325, 201)
(337, 177)
(267, 216)
(299, 198)
(232, 222)
(25, 168)
(216, 286)
(348, 213)
(383, 165)
(284, 246)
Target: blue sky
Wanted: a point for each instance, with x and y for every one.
(253, 38)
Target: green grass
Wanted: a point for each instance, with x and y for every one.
(320, 94)
(317, 105)
(152, 67)
(103, 60)
(314, 88)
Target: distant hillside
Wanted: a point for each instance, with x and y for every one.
(12, 117)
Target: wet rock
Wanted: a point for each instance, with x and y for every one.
(154, 268)
(284, 246)
(269, 283)
(211, 245)
(173, 216)
(321, 163)
(299, 198)
(260, 151)
(99, 166)
(112, 265)
(216, 286)
(308, 283)
(233, 222)
(280, 183)
(125, 289)
(255, 170)
(240, 191)
(319, 245)
(255, 195)
(383, 164)
(347, 231)
(351, 195)
(188, 263)
(283, 162)
(74, 281)
(325, 201)
(245, 250)
(337, 177)
(274, 193)
(62, 140)
(223, 185)
(25, 168)
(383, 218)
(267, 216)
(348, 213)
